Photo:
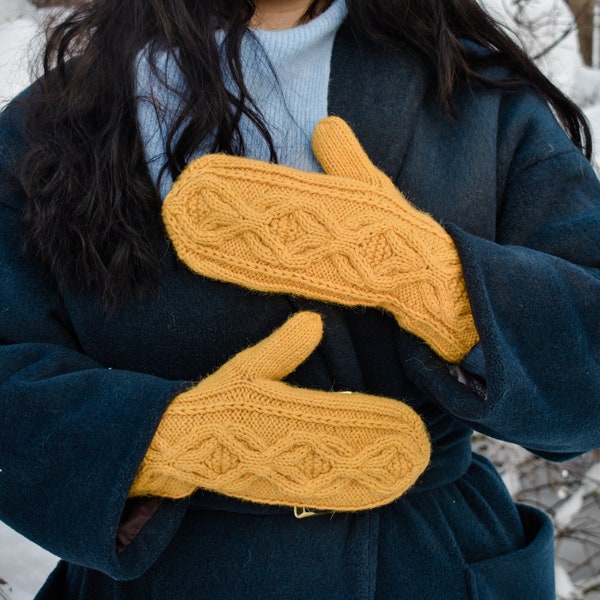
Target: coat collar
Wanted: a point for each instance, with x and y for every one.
(379, 92)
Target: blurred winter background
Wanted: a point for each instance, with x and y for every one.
(564, 38)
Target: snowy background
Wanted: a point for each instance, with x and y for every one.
(570, 492)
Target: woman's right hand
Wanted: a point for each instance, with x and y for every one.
(242, 432)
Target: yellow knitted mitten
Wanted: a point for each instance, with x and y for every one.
(244, 433)
(347, 236)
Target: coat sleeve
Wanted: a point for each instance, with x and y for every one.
(535, 294)
(72, 432)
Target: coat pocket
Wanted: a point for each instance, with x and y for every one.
(525, 574)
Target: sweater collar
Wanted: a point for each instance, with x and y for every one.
(284, 46)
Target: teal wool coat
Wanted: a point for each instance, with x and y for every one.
(81, 393)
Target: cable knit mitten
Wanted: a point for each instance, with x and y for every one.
(244, 433)
(347, 236)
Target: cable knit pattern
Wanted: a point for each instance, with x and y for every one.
(244, 433)
(347, 236)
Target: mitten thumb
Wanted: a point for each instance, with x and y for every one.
(339, 153)
(285, 349)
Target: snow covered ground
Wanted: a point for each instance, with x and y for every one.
(20, 37)
(24, 564)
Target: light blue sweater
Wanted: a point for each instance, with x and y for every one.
(287, 75)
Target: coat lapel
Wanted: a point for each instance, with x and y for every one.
(379, 92)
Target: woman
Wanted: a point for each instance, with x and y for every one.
(172, 419)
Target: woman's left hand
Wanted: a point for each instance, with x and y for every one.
(346, 236)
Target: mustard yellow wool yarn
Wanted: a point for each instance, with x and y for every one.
(347, 236)
(244, 433)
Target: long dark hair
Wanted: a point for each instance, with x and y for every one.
(92, 207)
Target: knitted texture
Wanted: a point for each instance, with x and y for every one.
(244, 433)
(347, 236)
